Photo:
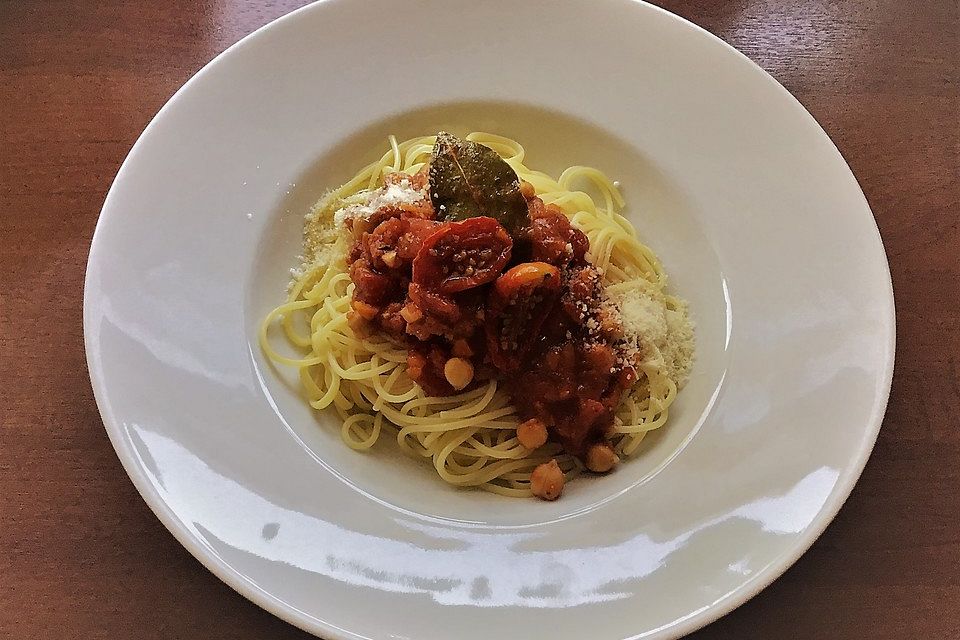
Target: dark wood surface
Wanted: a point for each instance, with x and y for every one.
(81, 556)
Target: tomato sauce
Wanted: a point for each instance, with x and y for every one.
(524, 308)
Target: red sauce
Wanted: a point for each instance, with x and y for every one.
(524, 309)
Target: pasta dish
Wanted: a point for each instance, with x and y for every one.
(505, 326)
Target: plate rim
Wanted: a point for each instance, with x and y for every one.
(213, 562)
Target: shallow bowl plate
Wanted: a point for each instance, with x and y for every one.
(757, 218)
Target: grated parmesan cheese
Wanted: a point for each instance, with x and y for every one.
(655, 333)
(322, 244)
(365, 203)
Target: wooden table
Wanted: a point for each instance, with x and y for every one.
(81, 556)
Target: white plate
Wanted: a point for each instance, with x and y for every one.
(755, 214)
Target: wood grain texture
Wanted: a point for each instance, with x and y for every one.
(83, 557)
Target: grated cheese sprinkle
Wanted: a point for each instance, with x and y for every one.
(365, 203)
(656, 329)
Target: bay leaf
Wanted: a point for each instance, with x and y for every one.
(468, 180)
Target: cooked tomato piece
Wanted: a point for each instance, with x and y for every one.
(461, 255)
(518, 304)
(425, 364)
(553, 239)
(434, 304)
(576, 430)
(372, 287)
(583, 287)
(380, 244)
(391, 321)
(421, 210)
(394, 243)
(417, 231)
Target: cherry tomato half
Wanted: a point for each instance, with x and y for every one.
(462, 255)
(519, 302)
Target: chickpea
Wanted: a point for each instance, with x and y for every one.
(546, 481)
(601, 458)
(458, 372)
(532, 433)
(527, 190)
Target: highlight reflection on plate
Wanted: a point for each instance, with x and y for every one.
(456, 573)
(754, 213)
